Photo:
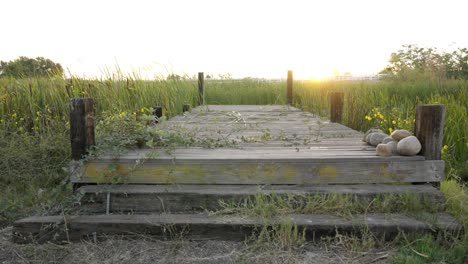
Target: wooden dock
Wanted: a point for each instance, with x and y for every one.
(248, 144)
(232, 153)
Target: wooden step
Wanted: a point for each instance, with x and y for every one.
(183, 198)
(285, 166)
(226, 227)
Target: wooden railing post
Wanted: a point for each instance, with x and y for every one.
(429, 129)
(81, 126)
(290, 88)
(185, 108)
(201, 87)
(336, 107)
(157, 112)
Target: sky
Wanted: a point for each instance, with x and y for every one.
(245, 38)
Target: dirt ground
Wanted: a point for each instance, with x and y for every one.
(150, 250)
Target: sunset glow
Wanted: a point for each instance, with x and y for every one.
(243, 38)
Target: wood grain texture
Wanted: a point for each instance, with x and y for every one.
(223, 227)
(429, 129)
(81, 126)
(204, 171)
(190, 198)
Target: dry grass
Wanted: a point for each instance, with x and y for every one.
(145, 249)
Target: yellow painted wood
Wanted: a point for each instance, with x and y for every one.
(262, 173)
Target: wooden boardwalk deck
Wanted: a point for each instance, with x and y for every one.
(247, 144)
(278, 150)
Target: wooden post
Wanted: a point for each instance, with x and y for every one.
(429, 129)
(157, 112)
(336, 107)
(201, 86)
(290, 88)
(81, 126)
(185, 108)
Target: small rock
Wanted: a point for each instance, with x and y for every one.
(393, 144)
(372, 130)
(409, 146)
(376, 138)
(400, 134)
(387, 140)
(384, 150)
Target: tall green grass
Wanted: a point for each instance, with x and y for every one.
(245, 92)
(34, 130)
(41, 105)
(390, 105)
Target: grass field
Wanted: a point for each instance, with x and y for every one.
(34, 132)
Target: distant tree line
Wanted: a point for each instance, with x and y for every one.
(25, 67)
(413, 62)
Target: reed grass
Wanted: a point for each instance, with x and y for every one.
(34, 139)
(41, 105)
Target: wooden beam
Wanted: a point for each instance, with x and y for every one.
(61, 229)
(284, 171)
(81, 126)
(336, 107)
(201, 88)
(128, 198)
(290, 88)
(429, 129)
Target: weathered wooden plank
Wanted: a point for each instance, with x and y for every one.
(261, 172)
(252, 155)
(196, 226)
(183, 198)
(246, 108)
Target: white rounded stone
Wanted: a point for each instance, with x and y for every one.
(384, 150)
(409, 146)
(393, 144)
(400, 134)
